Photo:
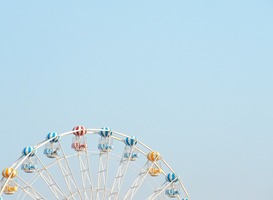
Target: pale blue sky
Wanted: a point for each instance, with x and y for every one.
(192, 79)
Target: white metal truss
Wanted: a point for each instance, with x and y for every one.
(68, 175)
(102, 175)
(122, 169)
(29, 190)
(140, 179)
(137, 183)
(86, 177)
(158, 191)
(50, 181)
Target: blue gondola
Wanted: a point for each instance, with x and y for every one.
(133, 157)
(130, 141)
(172, 177)
(105, 132)
(29, 150)
(105, 147)
(53, 136)
(172, 193)
(29, 167)
(51, 152)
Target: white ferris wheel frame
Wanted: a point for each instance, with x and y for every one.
(86, 177)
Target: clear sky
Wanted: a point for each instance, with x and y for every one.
(192, 79)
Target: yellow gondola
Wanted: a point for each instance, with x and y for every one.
(9, 172)
(10, 189)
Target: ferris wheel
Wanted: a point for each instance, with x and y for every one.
(98, 164)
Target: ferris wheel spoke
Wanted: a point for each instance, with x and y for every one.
(158, 191)
(50, 181)
(90, 181)
(102, 175)
(27, 185)
(83, 170)
(29, 190)
(85, 175)
(138, 182)
(67, 174)
(121, 172)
